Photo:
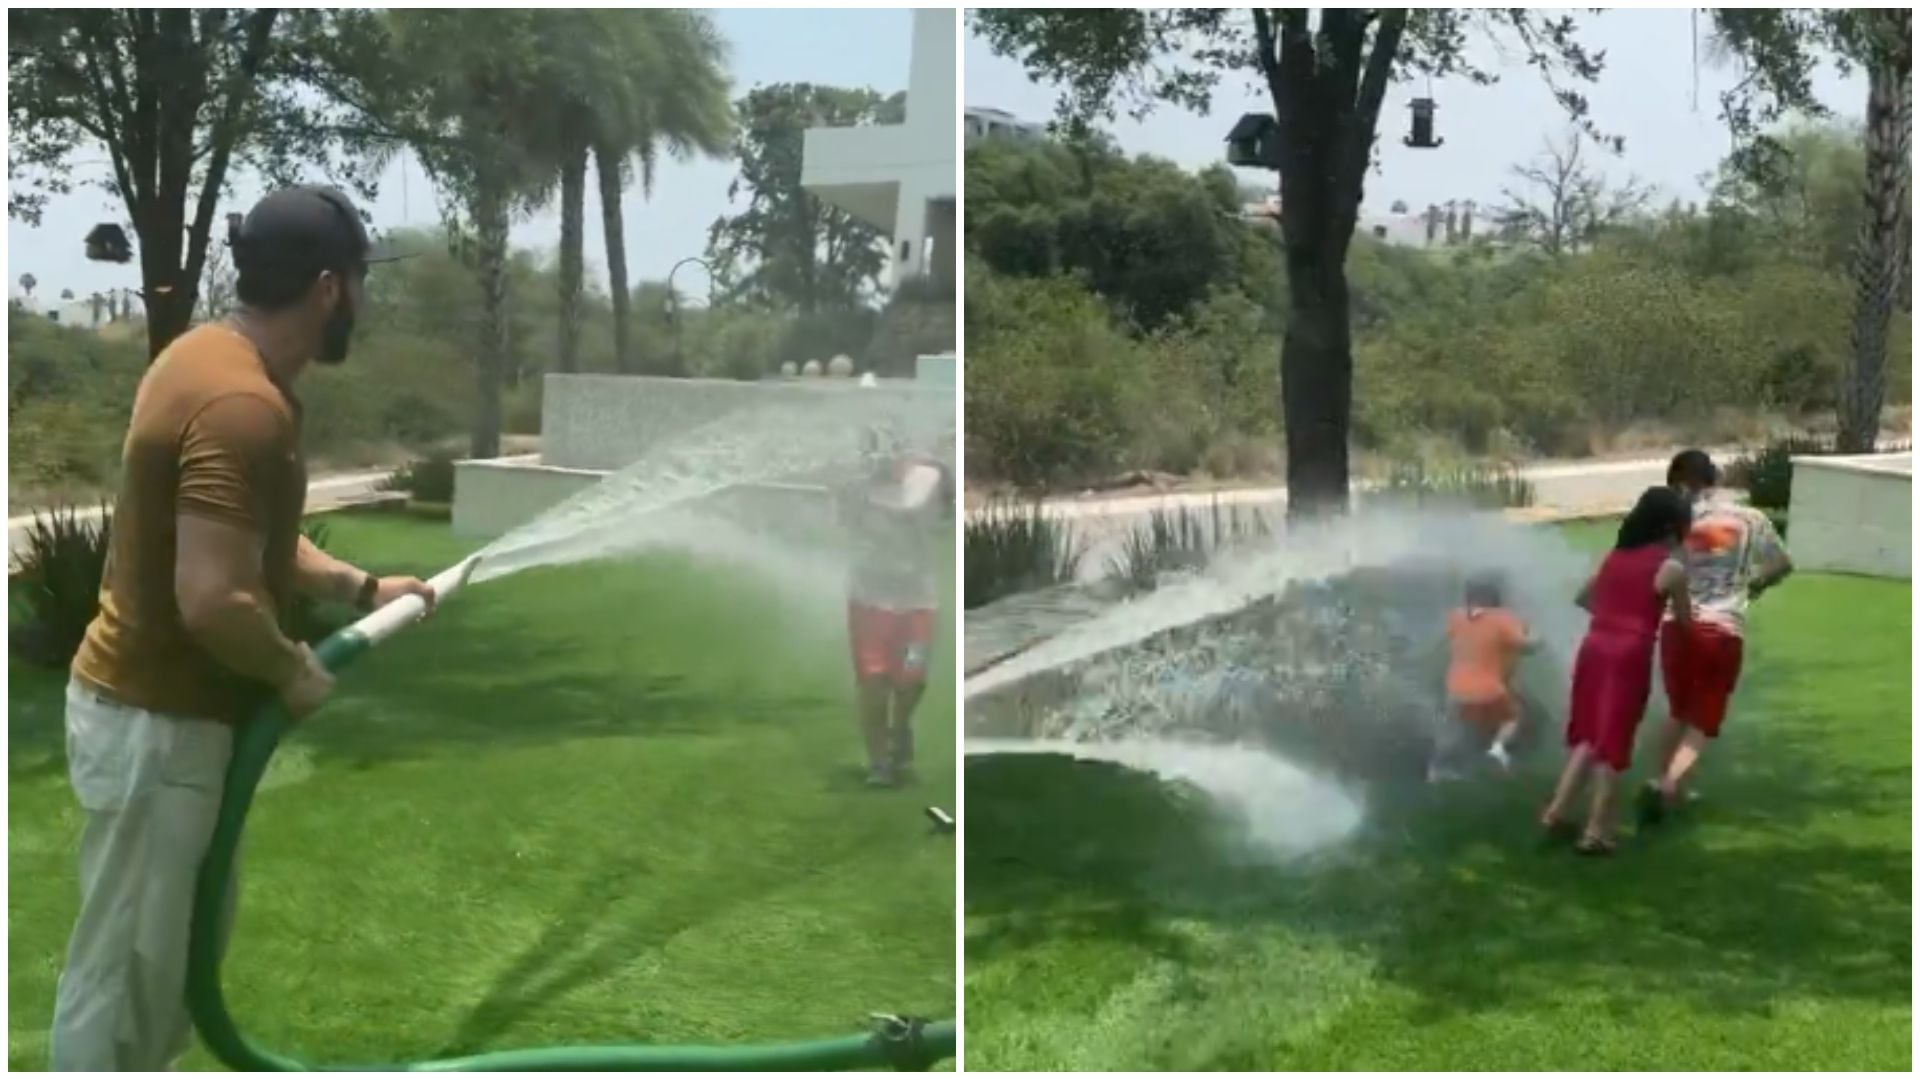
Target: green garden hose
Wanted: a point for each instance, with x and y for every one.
(893, 1043)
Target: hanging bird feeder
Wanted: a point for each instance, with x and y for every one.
(108, 243)
(1422, 135)
(1254, 142)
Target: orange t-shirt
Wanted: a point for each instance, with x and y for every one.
(211, 436)
(1486, 644)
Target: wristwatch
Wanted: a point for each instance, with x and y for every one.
(369, 588)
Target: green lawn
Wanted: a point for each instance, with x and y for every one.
(1772, 930)
(599, 804)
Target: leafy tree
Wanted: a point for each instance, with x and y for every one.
(1563, 205)
(1327, 83)
(1150, 237)
(638, 82)
(788, 247)
(27, 284)
(471, 94)
(1782, 47)
(177, 99)
(1810, 198)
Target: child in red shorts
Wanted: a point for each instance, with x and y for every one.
(893, 593)
(1613, 671)
(1732, 555)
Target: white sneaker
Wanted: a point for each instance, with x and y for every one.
(1498, 752)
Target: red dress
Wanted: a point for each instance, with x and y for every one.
(1613, 673)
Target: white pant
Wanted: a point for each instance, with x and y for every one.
(150, 786)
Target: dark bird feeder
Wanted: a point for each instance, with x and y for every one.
(108, 243)
(1254, 142)
(1422, 136)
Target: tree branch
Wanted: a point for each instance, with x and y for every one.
(1373, 91)
(238, 89)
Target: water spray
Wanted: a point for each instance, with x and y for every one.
(894, 1041)
(1308, 670)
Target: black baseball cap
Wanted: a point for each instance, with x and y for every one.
(301, 231)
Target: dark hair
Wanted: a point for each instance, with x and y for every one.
(1661, 516)
(269, 288)
(1693, 469)
(1483, 590)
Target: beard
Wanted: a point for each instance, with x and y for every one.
(337, 335)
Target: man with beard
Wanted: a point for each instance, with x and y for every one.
(205, 558)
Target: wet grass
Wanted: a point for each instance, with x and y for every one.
(595, 804)
(1107, 929)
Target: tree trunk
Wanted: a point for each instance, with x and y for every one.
(490, 228)
(1326, 89)
(1878, 254)
(573, 209)
(169, 313)
(608, 164)
(1316, 383)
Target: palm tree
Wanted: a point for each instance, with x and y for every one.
(1881, 259)
(469, 93)
(644, 82)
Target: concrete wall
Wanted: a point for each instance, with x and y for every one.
(492, 497)
(610, 421)
(938, 369)
(1853, 514)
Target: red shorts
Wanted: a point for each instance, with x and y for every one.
(1490, 714)
(891, 645)
(1700, 667)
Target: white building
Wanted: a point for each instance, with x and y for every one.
(901, 177)
(985, 123)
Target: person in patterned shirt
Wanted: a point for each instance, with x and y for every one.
(1733, 554)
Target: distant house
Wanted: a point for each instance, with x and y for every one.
(900, 177)
(1449, 224)
(986, 123)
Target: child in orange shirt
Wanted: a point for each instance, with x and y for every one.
(1483, 713)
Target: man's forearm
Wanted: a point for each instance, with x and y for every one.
(319, 576)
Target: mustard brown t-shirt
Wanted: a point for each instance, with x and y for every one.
(212, 436)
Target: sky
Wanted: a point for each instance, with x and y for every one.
(767, 46)
(1646, 94)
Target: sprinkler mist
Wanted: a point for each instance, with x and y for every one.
(1288, 681)
(749, 488)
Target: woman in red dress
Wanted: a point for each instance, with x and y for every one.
(1613, 673)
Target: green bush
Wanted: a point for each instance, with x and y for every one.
(57, 590)
(1014, 548)
(1055, 393)
(1478, 486)
(521, 411)
(427, 479)
(1181, 540)
(1767, 474)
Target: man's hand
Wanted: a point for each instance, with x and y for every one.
(309, 687)
(390, 589)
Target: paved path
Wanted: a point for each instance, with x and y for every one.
(1100, 523)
